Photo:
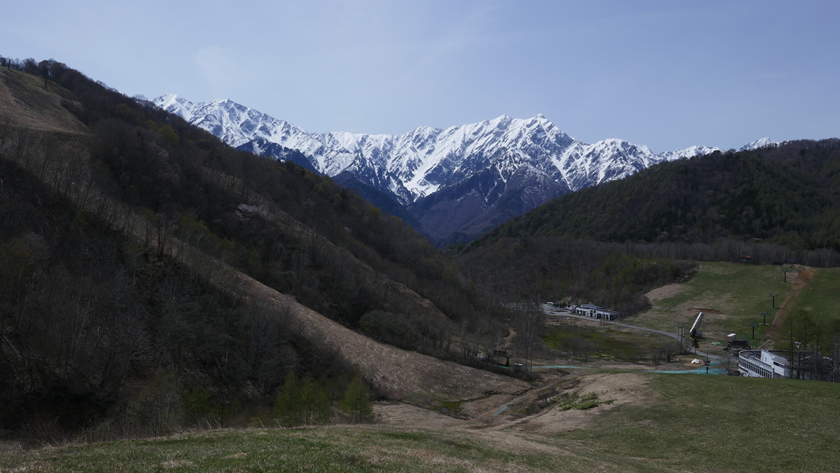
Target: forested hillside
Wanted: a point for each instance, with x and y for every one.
(574, 271)
(610, 243)
(89, 316)
(786, 196)
(105, 201)
(192, 185)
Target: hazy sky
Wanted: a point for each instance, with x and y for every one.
(668, 74)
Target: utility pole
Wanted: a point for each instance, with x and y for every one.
(773, 296)
(753, 325)
(764, 314)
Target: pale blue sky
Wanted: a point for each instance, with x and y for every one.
(667, 74)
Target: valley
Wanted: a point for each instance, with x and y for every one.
(162, 292)
(635, 419)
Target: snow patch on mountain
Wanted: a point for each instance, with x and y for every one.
(425, 160)
(175, 105)
(758, 144)
(687, 153)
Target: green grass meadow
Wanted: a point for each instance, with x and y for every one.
(313, 449)
(605, 341)
(822, 296)
(721, 423)
(740, 291)
(320, 449)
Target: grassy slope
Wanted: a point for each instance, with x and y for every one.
(741, 292)
(339, 449)
(34, 108)
(719, 423)
(820, 297)
(604, 340)
(691, 423)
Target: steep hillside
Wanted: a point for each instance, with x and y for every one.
(458, 212)
(27, 105)
(786, 195)
(143, 257)
(553, 269)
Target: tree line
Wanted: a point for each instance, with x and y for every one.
(309, 402)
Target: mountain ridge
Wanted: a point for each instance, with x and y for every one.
(413, 166)
(218, 116)
(780, 194)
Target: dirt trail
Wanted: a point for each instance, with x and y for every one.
(802, 280)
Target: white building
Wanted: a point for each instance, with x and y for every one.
(606, 314)
(763, 364)
(594, 311)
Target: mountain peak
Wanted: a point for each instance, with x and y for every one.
(227, 102)
(758, 144)
(175, 104)
(169, 98)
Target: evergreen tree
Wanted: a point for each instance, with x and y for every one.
(314, 402)
(288, 405)
(357, 402)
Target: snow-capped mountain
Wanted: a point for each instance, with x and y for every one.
(758, 144)
(522, 162)
(687, 153)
